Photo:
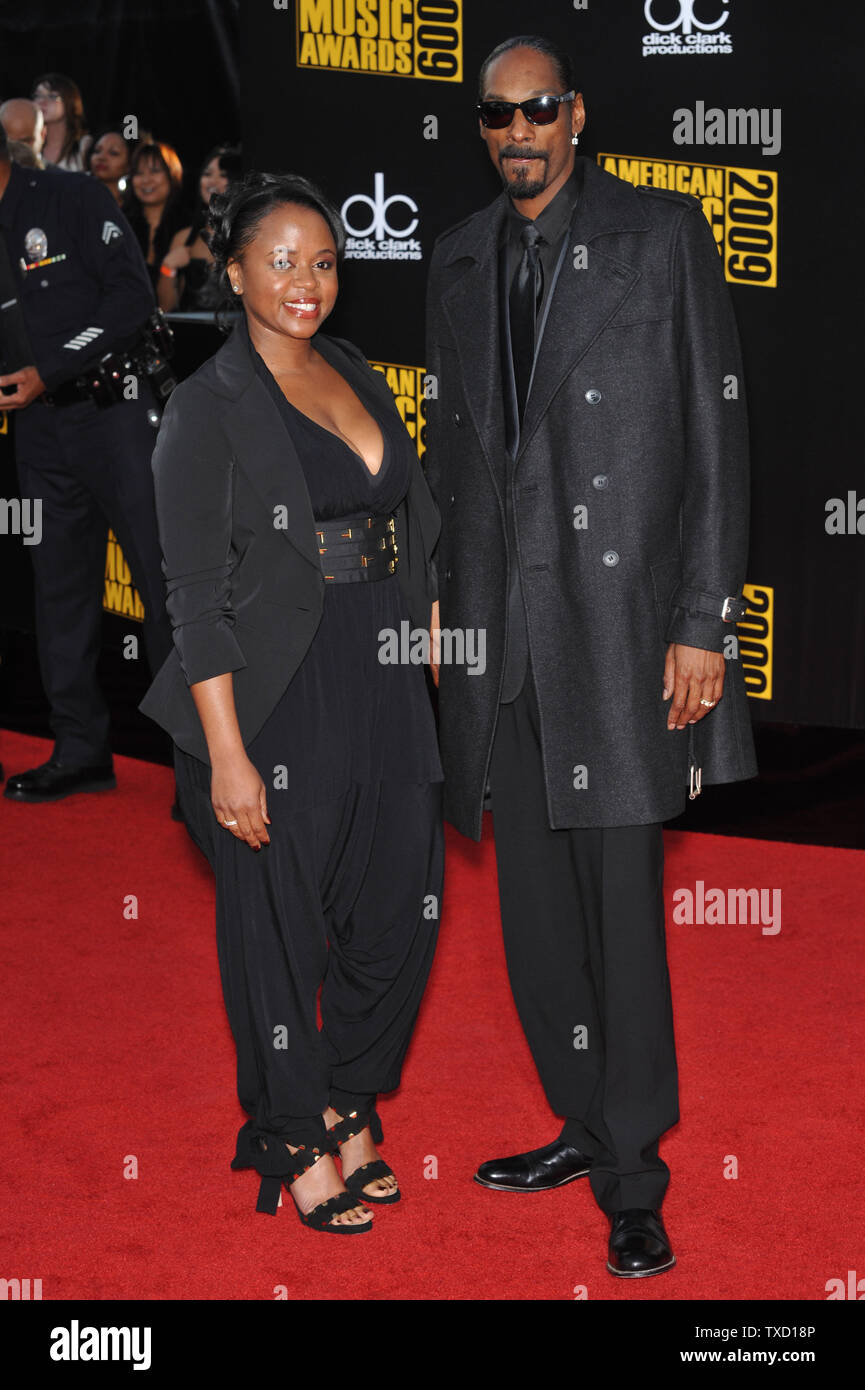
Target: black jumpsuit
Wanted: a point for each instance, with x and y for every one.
(347, 895)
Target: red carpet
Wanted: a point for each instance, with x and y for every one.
(116, 1044)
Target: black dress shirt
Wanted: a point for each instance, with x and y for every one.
(553, 223)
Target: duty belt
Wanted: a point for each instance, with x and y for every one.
(104, 381)
(357, 548)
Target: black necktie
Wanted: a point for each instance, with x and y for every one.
(524, 298)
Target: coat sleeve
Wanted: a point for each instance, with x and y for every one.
(193, 474)
(715, 505)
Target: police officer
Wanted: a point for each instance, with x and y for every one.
(84, 292)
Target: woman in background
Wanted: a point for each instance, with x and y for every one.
(153, 205)
(186, 280)
(66, 138)
(109, 159)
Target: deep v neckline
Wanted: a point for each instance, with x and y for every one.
(340, 438)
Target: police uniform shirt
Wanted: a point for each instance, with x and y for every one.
(82, 280)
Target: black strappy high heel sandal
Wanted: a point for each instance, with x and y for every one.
(277, 1166)
(347, 1128)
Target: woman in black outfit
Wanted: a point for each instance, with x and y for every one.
(188, 281)
(323, 828)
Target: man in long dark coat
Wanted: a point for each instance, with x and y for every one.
(588, 451)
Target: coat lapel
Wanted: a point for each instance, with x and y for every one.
(263, 446)
(584, 300)
(473, 310)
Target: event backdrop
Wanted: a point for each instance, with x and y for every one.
(742, 104)
(736, 101)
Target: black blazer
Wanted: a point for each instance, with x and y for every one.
(245, 594)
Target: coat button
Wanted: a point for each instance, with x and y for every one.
(448, 574)
(457, 419)
(610, 557)
(453, 499)
(600, 480)
(593, 395)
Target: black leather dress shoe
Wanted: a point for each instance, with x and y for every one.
(535, 1171)
(639, 1245)
(52, 781)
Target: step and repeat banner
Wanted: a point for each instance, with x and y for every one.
(749, 106)
(746, 106)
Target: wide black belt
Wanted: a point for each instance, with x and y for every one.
(356, 549)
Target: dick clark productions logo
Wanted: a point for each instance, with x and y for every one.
(685, 33)
(376, 230)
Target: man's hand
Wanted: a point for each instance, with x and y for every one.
(691, 674)
(434, 643)
(28, 385)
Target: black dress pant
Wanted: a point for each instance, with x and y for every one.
(583, 921)
(90, 467)
(346, 898)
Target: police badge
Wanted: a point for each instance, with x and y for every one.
(35, 244)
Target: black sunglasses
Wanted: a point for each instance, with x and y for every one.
(496, 115)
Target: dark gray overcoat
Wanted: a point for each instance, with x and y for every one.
(631, 503)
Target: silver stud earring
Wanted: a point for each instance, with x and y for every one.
(236, 289)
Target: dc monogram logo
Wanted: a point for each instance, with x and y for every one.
(379, 224)
(110, 230)
(686, 18)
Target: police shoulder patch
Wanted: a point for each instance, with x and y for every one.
(687, 199)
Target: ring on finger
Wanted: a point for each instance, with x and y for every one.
(229, 822)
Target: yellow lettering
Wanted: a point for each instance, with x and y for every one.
(329, 50)
(343, 16)
(350, 57)
(314, 17)
(367, 25)
(400, 19)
